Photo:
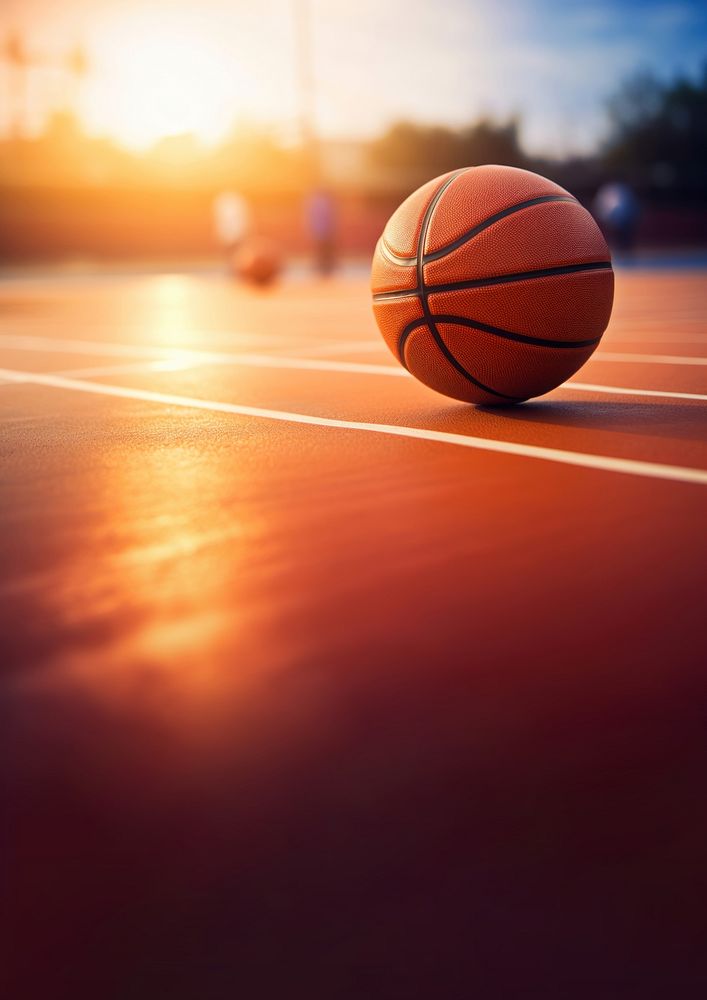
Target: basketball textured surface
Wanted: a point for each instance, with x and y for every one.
(492, 284)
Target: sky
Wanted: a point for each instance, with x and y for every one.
(174, 66)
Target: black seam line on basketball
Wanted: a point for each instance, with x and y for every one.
(424, 225)
(434, 332)
(421, 239)
(496, 331)
(419, 258)
(469, 235)
(415, 261)
(417, 323)
(501, 279)
(405, 334)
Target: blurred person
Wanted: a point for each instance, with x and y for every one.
(232, 220)
(616, 208)
(320, 212)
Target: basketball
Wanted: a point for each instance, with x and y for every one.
(492, 284)
(257, 262)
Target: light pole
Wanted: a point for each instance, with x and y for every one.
(17, 57)
(306, 87)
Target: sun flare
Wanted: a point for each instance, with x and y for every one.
(160, 79)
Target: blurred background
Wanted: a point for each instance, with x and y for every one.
(123, 124)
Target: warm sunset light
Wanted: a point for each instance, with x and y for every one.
(353, 467)
(162, 78)
(177, 65)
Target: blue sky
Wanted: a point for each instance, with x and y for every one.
(553, 63)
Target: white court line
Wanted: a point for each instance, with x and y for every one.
(605, 463)
(181, 365)
(113, 349)
(360, 346)
(181, 359)
(247, 361)
(356, 346)
(109, 349)
(647, 359)
(615, 390)
(136, 368)
(184, 356)
(309, 364)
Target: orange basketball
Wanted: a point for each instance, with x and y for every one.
(257, 261)
(492, 284)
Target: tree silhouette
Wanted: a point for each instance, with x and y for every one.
(433, 149)
(658, 138)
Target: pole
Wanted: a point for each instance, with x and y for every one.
(306, 86)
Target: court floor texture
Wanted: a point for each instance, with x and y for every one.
(316, 683)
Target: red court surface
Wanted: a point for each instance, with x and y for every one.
(318, 684)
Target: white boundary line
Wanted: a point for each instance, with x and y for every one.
(648, 359)
(184, 358)
(357, 346)
(366, 346)
(114, 349)
(360, 346)
(110, 349)
(605, 463)
(615, 390)
(134, 368)
(178, 365)
(174, 360)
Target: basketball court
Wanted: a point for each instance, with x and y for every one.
(322, 677)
